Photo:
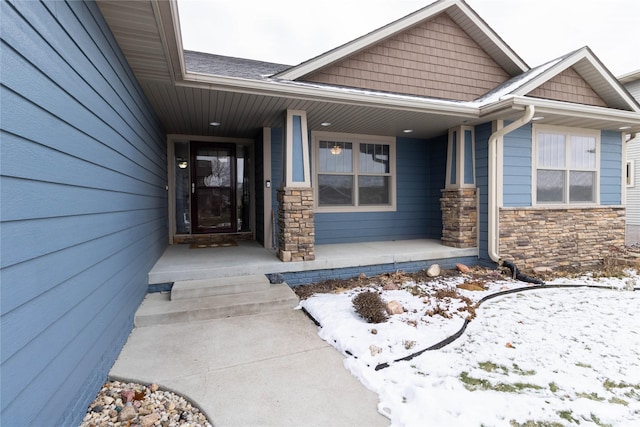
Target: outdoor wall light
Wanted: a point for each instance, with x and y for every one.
(336, 149)
(182, 164)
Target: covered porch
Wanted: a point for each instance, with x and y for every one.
(181, 263)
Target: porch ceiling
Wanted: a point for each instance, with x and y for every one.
(189, 110)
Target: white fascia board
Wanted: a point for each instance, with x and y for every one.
(579, 110)
(550, 73)
(364, 41)
(629, 77)
(493, 37)
(340, 95)
(577, 56)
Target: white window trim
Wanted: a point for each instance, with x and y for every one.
(317, 136)
(630, 173)
(568, 131)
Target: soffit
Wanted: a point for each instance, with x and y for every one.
(135, 28)
(190, 109)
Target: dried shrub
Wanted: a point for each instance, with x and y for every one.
(370, 307)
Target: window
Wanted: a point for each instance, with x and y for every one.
(353, 172)
(566, 165)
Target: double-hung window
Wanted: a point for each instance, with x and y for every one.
(353, 172)
(566, 165)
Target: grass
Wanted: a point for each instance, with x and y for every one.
(473, 384)
(591, 396)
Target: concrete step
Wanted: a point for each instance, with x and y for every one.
(219, 286)
(157, 309)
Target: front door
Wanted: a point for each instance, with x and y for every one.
(213, 187)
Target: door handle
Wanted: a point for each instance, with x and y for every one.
(193, 188)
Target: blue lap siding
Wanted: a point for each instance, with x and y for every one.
(82, 184)
(610, 168)
(483, 132)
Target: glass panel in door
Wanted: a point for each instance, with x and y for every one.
(213, 187)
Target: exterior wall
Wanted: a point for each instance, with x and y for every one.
(611, 168)
(517, 193)
(633, 194)
(568, 86)
(84, 207)
(420, 177)
(517, 152)
(560, 237)
(483, 132)
(260, 189)
(435, 59)
(633, 191)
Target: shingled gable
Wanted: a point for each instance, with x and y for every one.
(578, 77)
(444, 50)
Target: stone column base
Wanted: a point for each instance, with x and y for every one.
(459, 218)
(296, 228)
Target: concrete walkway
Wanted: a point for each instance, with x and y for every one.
(261, 370)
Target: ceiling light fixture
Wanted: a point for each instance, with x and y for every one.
(325, 124)
(535, 119)
(214, 124)
(407, 130)
(624, 127)
(336, 149)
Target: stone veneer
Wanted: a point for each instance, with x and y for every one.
(560, 237)
(296, 229)
(459, 218)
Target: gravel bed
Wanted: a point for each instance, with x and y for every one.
(120, 404)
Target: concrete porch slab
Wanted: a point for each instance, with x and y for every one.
(248, 258)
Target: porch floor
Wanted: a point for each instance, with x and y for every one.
(179, 262)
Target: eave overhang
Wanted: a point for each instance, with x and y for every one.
(335, 94)
(561, 113)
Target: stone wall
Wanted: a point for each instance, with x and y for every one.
(296, 229)
(459, 218)
(578, 237)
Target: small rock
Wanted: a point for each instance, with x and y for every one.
(433, 271)
(374, 331)
(462, 268)
(394, 307)
(113, 414)
(149, 420)
(153, 387)
(374, 349)
(137, 404)
(97, 408)
(362, 276)
(127, 413)
(108, 400)
(127, 395)
(169, 406)
(390, 287)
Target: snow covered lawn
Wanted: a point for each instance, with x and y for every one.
(548, 357)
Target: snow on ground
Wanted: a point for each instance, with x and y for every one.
(544, 357)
